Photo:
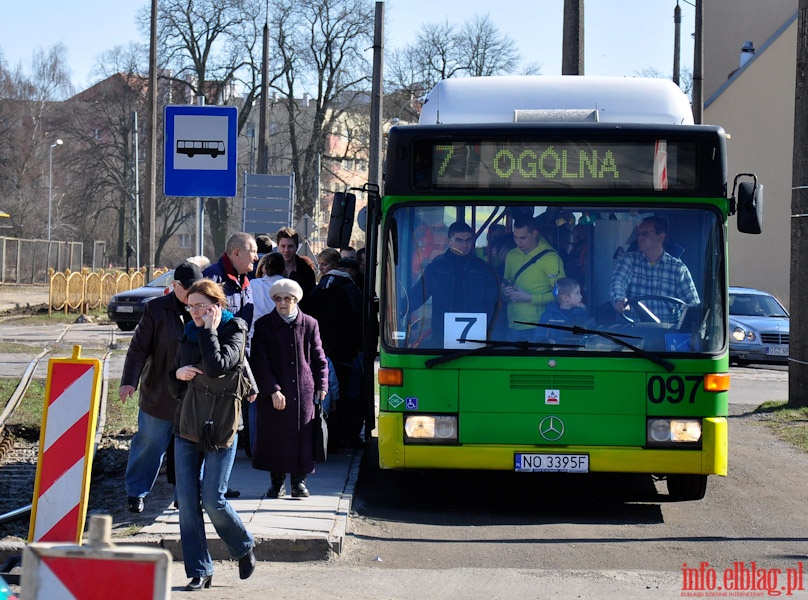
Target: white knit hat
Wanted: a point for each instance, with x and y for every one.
(287, 287)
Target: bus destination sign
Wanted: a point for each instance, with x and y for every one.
(656, 165)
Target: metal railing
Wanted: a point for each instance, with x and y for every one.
(24, 261)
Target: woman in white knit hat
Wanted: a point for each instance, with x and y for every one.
(290, 369)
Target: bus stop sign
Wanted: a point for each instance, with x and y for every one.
(201, 151)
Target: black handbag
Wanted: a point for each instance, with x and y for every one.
(320, 433)
(211, 408)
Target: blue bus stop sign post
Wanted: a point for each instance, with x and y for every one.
(201, 151)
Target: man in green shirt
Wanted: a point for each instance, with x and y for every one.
(531, 272)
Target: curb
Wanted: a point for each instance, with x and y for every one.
(302, 548)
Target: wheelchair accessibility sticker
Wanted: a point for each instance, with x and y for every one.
(412, 404)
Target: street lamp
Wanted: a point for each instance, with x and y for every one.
(50, 184)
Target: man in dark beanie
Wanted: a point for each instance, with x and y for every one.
(150, 356)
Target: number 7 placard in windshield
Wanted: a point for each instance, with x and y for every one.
(459, 327)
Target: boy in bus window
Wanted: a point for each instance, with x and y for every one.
(568, 308)
(457, 281)
(531, 272)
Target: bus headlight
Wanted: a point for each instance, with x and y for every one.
(668, 432)
(431, 428)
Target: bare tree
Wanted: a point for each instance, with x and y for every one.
(442, 51)
(207, 46)
(319, 50)
(27, 128)
(484, 51)
(319, 71)
(101, 127)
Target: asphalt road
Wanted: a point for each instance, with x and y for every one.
(620, 530)
(756, 384)
(469, 536)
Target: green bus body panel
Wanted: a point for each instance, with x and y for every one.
(514, 385)
(579, 429)
(603, 403)
(435, 390)
(581, 392)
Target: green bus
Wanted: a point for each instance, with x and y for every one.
(473, 374)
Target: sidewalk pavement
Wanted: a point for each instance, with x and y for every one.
(285, 529)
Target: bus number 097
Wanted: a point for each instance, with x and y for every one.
(674, 388)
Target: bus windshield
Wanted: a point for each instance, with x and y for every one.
(458, 276)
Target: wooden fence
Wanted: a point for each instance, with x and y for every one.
(87, 290)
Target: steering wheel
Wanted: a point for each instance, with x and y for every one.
(642, 314)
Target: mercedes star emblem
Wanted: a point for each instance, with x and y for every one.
(551, 428)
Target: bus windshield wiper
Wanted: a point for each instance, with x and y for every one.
(523, 345)
(617, 338)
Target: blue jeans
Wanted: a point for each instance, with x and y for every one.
(201, 483)
(146, 454)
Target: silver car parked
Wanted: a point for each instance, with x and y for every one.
(758, 327)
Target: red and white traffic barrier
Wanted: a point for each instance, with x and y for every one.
(99, 570)
(66, 449)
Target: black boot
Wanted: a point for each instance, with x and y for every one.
(198, 583)
(299, 489)
(277, 485)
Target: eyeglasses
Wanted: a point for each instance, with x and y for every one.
(196, 307)
(284, 299)
(458, 240)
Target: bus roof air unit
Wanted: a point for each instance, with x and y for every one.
(556, 115)
(617, 99)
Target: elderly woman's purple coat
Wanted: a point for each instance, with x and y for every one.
(287, 357)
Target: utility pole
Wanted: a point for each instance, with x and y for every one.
(377, 95)
(677, 41)
(698, 66)
(798, 345)
(263, 144)
(200, 205)
(151, 155)
(572, 51)
(134, 228)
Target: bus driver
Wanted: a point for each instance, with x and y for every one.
(650, 270)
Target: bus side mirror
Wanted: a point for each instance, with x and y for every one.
(749, 205)
(341, 222)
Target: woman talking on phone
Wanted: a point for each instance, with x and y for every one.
(212, 344)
